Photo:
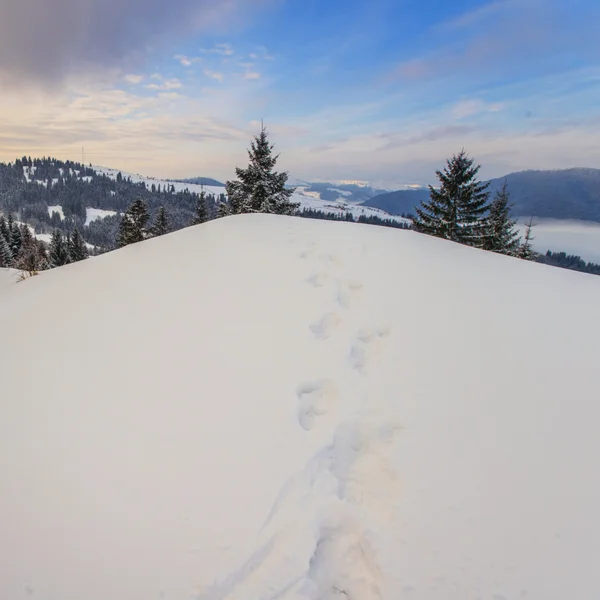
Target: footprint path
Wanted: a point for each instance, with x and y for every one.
(318, 536)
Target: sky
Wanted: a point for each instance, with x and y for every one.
(372, 90)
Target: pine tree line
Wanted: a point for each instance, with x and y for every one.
(20, 250)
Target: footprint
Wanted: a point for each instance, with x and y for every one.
(344, 565)
(318, 280)
(366, 347)
(331, 260)
(326, 326)
(347, 292)
(309, 252)
(315, 399)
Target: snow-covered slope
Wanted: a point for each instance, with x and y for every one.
(271, 408)
(313, 201)
(301, 196)
(148, 181)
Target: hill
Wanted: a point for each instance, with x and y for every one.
(50, 194)
(565, 194)
(265, 407)
(202, 181)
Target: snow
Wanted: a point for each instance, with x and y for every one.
(58, 209)
(44, 237)
(581, 238)
(93, 214)
(305, 198)
(312, 200)
(340, 192)
(318, 410)
(148, 181)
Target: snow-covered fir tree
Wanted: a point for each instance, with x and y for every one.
(456, 211)
(133, 224)
(77, 248)
(6, 257)
(501, 235)
(201, 215)
(525, 249)
(4, 232)
(161, 223)
(15, 237)
(259, 188)
(224, 209)
(59, 250)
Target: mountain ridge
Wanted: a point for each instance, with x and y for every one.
(567, 194)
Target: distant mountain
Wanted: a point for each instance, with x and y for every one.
(564, 194)
(201, 181)
(351, 192)
(401, 202)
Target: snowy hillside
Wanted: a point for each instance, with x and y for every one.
(313, 201)
(148, 181)
(306, 199)
(266, 407)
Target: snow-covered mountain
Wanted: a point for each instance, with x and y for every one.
(302, 195)
(268, 407)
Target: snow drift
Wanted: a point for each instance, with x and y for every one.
(271, 408)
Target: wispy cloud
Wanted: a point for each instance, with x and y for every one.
(506, 37)
(134, 79)
(187, 61)
(251, 75)
(169, 84)
(71, 35)
(221, 49)
(469, 108)
(214, 75)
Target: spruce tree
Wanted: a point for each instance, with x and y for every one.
(4, 232)
(456, 211)
(259, 189)
(59, 250)
(77, 248)
(201, 215)
(6, 257)
(161, 223)
(525, 249)
(501, 235)
(15, 240)
(133, 223)
(223, 210)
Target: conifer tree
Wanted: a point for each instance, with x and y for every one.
(6, 257)
(456, 211)
(15, 240)
(259, 189)
(501, 235)
(161, 223)
(77, 248)
(201, 215)
(59, 250)
(525, 249)
(224, 209)
(4, 229)
(133, 223)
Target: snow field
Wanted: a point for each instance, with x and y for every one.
(267, 407)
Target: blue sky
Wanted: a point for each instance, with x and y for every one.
(380, 90)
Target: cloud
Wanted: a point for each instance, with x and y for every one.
(469, 108)
(134, 79)
(214, 75)
(251, 75)
(169, 84)
(43, 41)
(187, 61)
(222, 49)
(506, 38)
